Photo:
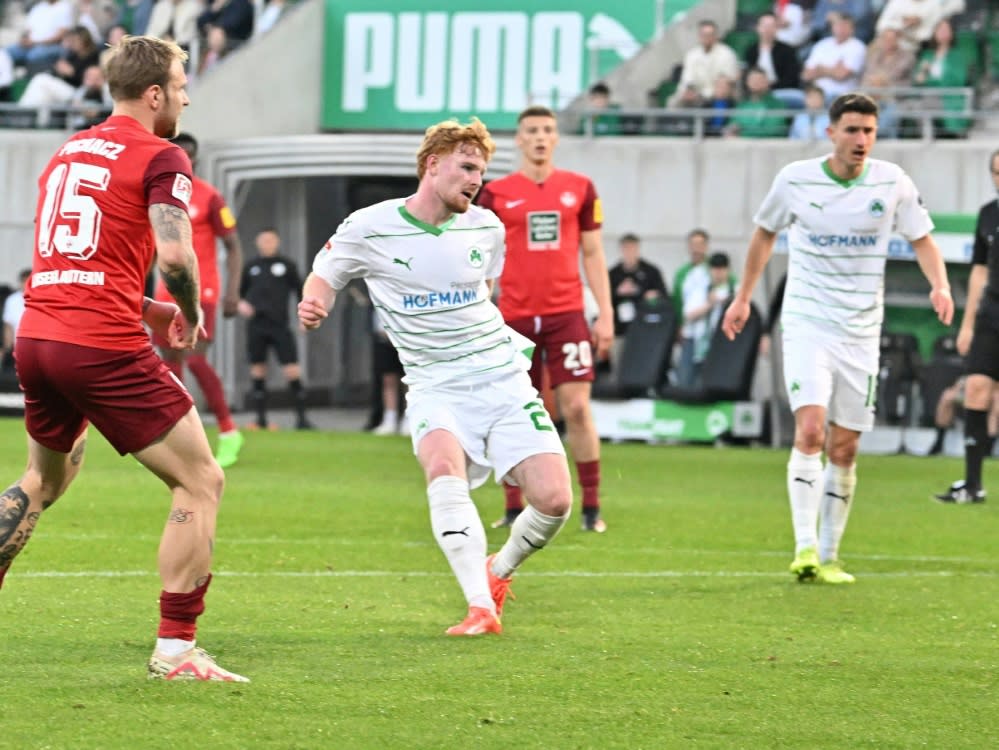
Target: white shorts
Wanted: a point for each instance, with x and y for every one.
(840, 376)
(498, 424)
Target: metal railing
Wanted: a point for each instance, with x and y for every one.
(923, 113)
(55, 117)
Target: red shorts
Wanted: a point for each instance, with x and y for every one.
(562, 342)
(208, 308)
(131, 397)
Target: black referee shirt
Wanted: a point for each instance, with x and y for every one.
(267, 283)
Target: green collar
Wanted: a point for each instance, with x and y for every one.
(839, 180)
(428, 228)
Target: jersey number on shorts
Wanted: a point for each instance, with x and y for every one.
(63, 205)
(539, 415)
(577, 356)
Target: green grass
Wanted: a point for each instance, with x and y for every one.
(679, 628)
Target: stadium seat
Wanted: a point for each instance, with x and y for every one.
(897, 376)
(727, 371)
(644, 361)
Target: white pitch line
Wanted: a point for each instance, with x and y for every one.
(339, 541)
(652, 574)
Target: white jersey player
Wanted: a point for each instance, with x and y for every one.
(839, 212)
(429, 261)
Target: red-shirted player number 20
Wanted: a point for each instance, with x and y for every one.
(578, 356)
(63, 206)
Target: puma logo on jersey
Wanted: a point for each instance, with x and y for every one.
(815, 205)
(401, 262)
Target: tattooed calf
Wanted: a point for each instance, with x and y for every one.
(179, 515)
(13, 507)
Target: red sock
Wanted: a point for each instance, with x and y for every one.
(514, 497)
(589, 480)
(179, 612)
(211, 386)
(3, 572)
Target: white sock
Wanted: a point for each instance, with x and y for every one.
(837, 499)
(804, 488)
(173, 646)
(459, 533)
(390, 416)
(529, 533)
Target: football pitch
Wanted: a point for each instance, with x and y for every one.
(679, 628)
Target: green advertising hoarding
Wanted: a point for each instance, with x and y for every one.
(398, 65)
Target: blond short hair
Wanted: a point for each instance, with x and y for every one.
(138, 62)
(445, 137)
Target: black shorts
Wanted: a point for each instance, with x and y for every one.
(262, 335)
(983, 358)
(386, 358)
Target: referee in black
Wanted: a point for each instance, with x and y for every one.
(267, 283)
(978, 339)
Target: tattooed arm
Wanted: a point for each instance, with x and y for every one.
(175, 258)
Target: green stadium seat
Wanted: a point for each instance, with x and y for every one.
(740, 41)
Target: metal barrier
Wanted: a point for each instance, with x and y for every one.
(919, 112)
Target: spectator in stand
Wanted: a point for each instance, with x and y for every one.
(176, 20)
(792, 24)
(811, 124)
(13, 309)
(888, 66)
(234, 17)
(115, 34)
(723, 100)
(825, 12)
(688, 285)
(888, 63)
(777, 60)
(216, 47)
(942, 65)
(41, 40)
(634, 282)
(87, 16)
(271, 14)
(703, 306)
(917, 19)
(58, 85)
(703, 64)
(92, 98)
(755, 116)
(605, 121)
(836, 62)
(134, 16)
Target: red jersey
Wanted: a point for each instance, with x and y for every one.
(543, 225)
(210, 219)
(93, 242)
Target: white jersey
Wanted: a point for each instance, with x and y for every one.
(838, 236)
(428, 285)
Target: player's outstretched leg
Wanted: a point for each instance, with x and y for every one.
(547, 485)
(48, 475)
(230, 438)
(804, 489)
(183, 460)
(839, 486)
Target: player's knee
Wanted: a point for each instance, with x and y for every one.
(810, 436)
(843, 454)
(575, 409)
(552, 498)
(442, 466)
